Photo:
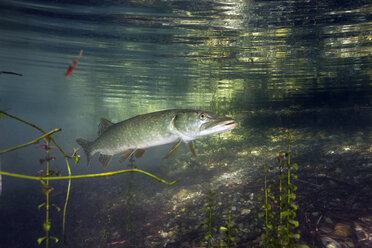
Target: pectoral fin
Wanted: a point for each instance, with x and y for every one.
(173, 151)
(126, 154)
(139, 153)
(105, 159)
(191, 147)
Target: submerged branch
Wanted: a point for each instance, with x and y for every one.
(36, 127)
(31, 142)
(87, 176)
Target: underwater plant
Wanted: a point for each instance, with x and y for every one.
(268, 239)
(45, 176)
(46, 188)
(228, 240)
(208, 221)
(224, 237)
(130, 227)
(279, 210)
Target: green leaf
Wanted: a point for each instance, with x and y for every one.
(55, 239)
(46, 226)
(295, 166)
(294, 206)
(41, 205)
(269, 206)
(40, 240)
(223, 229)
(46, 189)
(283, 214)
(293, 196)
(295, 235)
(77, 159)
(294, 222)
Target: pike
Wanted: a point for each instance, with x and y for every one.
(134, 135)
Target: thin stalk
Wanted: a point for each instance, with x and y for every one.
(280, 193)
(288, 184)
(40, 178)
(36, 127)
(47, 200)
(266, 209)
(229, 225)
(210, 222)
(31, 142)
(66, 201)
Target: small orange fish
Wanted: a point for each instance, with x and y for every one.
(71, 68)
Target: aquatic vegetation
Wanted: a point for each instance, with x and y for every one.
(45, 176)
(46, 188)
(208, 221)
(228, 240)
(222, 236)
(279, 208)
(130, 227)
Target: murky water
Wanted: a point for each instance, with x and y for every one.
(304, 65)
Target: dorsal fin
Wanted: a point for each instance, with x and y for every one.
(103, 125)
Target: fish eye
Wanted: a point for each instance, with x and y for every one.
(203, 116)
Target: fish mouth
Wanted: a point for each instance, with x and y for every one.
(231, 123)
(222, 125)
(228, 124)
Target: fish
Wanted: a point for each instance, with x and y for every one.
(133, 136)
(72, 67)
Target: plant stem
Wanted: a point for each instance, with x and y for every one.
(266, 209)
(66, 201)
(229, 225)
(210, 222)
(289, 185)
(36, 127)
(47, 205)
(31, 142)
(38, 178)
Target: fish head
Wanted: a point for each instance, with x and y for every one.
(195, 124)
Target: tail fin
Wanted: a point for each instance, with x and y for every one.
(86, 147)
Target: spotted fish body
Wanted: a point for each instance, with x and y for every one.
(134, 135)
